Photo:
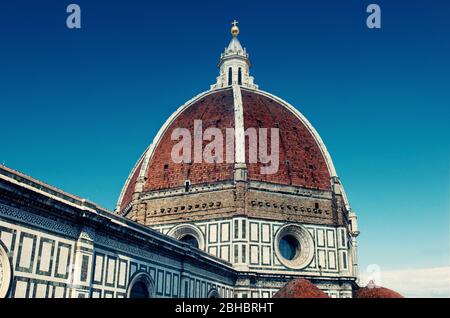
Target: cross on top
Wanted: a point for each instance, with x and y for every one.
(234, 23)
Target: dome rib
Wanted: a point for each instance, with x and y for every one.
(316, 136)
(222, 116)
(125, 194)
(148, 153)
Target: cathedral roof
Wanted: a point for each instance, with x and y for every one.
(372, 291)
(300, 288)
(238, 104)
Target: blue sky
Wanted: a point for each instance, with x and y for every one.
(78, 107)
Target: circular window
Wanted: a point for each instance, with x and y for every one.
(5, 272)
(294, 246)
(289, 247)
(189, 234)
(189, 239)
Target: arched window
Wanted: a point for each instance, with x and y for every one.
(5, 271)
(230, 76)
(188, 233)
(139, 290)
(239, 76)
(213, 293)
(189, 239)
(141, 286)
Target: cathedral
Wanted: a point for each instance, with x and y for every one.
(236, 226)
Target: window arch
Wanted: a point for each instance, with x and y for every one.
(230, 76)
(213, 293)
(189, 239)
(188, 233)
(6, 271)
(141, 286)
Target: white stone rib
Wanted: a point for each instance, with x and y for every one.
(151, 149)
(124, 188)
(315, 134)
(239, 135)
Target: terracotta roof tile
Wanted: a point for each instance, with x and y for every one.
(300, 288)
(376, 292)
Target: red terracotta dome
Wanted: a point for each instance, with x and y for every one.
(372, 291)
(303, 158)
(300, 288)
(234, 102)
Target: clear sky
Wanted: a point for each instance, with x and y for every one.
(78, 107)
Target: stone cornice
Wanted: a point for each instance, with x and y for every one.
(35, 203)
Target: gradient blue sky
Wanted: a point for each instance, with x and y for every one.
(78, 107)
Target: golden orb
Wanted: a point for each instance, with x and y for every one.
(235, 29)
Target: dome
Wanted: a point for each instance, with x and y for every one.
(376, 292)
(242, 175)
(264, 140)
(303, 159)
(300, 288)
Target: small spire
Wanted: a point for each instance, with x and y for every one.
(234, 28)
(234, 64)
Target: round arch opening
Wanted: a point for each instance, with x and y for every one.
(141, 286)
(189, 234)
(213, 293)
(189, 239)
(6, 271)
